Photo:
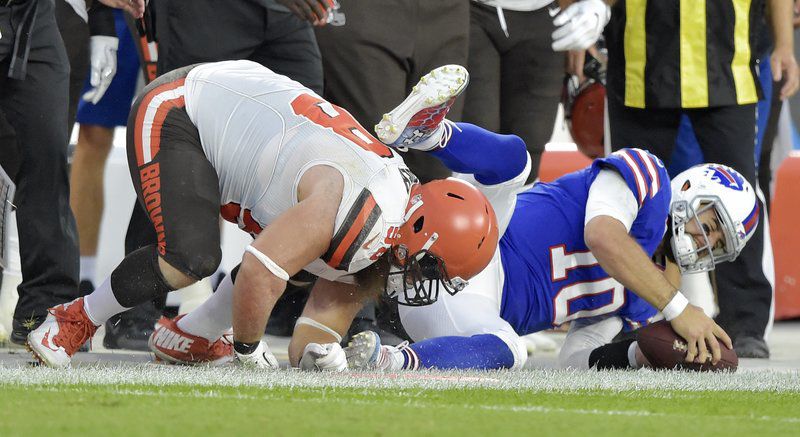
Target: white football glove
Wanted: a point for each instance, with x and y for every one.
(103, 52)
(580, 25)
(261, 358)
(329, 356)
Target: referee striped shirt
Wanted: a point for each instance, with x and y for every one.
(684, 53)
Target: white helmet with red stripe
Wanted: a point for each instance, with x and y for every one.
(727, 192)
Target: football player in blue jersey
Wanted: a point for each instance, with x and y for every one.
(578, 250)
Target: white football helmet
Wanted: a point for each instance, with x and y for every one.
(717, 187)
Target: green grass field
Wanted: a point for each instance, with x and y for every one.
(156, 400)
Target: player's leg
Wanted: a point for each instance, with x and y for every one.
(589, 345)
(463, 331)
(165, 157)
(36, 108)
(95, 137)
(86, 191)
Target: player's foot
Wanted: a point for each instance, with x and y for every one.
(365, 351)
(418, 118)
(171, 344)
(63, 332)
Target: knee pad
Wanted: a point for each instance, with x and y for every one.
(138, 278)
(196, 264)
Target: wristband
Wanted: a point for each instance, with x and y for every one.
(675, 307)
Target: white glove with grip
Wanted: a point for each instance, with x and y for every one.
(261, 358)
(580, 25)
(103, 53)
(329, 356)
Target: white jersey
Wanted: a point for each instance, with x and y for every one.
(262, 131)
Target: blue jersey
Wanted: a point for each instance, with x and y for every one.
(551, 277)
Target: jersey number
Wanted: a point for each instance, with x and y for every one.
(327, 115)
(582, 299)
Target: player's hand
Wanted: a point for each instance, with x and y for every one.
(103, 52)
(314, 11)
(133, 7)
(701, 335)
(784, 67)
(580, 25)
(329, 356)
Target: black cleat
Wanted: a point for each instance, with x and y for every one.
(131, 329)
(747, 346)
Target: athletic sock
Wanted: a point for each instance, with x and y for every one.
(492, 158)
(214, 317)
(484, 351)
(88, 264)
(101, 304)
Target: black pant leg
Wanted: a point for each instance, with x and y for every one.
(290, 48)
(532, 80)
(727, 136)
(482, 96)
(653, 130)
(36, 108)
(75, 34)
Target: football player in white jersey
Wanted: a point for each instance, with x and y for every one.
(313, 187)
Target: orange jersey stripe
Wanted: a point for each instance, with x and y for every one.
(142, 111)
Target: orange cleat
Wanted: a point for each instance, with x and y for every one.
(175, 346)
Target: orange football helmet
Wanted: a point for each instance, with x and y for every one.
(449, 235)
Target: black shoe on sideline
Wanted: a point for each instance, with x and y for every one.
(747, 346)
(131, 329)
(20, 328)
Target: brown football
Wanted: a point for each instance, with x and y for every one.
(667, 350)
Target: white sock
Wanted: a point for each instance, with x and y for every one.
(101, 304)
(215, 316)
(88, 268)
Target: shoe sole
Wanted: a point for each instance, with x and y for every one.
(362, 350)
(436, 90)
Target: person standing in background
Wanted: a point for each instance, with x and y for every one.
(517, 66)
(385, 46)
(665, 60)
(34, 87)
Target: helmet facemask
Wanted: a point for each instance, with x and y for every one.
(420, 277)
(689, 257)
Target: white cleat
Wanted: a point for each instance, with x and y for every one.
(63, 332)
(363, 350)
(422, 112)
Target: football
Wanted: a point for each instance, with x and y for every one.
(665, 349)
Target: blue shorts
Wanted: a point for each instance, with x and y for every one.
(112, 110)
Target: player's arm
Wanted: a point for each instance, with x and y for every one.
(296, 238)
(611, 210)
